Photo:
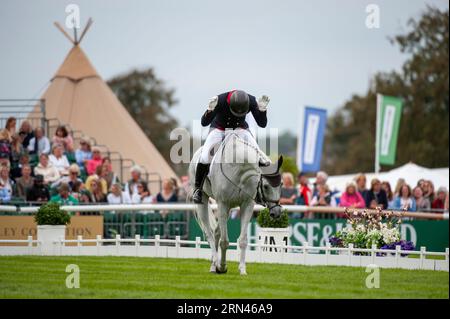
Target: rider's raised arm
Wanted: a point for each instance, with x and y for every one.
(260, 116)
(211, 112)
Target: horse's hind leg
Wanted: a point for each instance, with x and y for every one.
(203, 216)
(223, 242)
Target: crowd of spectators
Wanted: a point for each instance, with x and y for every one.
(422, 197)
(38, 168)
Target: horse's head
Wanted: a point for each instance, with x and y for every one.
(269, 190)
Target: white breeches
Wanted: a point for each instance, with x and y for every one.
(214, 139)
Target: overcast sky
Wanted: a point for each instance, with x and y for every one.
(298, 52)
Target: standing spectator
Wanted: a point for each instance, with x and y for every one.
(351, 197)
(167, 194)
(323, 196)
(107, 172)
(143, 195)
(389, 194)
(184, 189)
(288, 191)
(131, 186)
(398, 186)
(361, 182)
(117, 196)
(84, 153)
(321, 179)
(46, 169)
(304, 192)
(441, 198)
(39, 143)
(405, 201)
(10, 128)
(64, 197)
(26, 133)
(5, 180)
(39, 192)
(428, 190)
(63, 138)
(17, 150)
(422, 203)
(59, 160)
(95, 161)
(24, 183)
(376, 197)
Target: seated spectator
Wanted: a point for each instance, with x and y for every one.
(5, 146)
(5, 194)
(71, 179)
(46, 169)
(64, 197)
(26, 133)
(5, 180)
(131, 186)
(17, 150)
(376, 196)
(10, 128)
(39, 192)
(321, 179)
(24, 183)
(288, 191)
(405, 201)
(96, 191)
(389, 194)
(39, 144)
(16, 172)
(85, 197)
(84, 153)
(107, 172)
(361, 182)
(63, 138)
(95, 161)
(117, 196)
(167, 194)
(304, 192)
(439, 202)
(143, 195)
(59, 160)
(351, 197)
(99, 171)
(428, 190)
(422, 203)
(184, 189)
(323, 196)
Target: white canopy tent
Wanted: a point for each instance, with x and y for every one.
(410, 172)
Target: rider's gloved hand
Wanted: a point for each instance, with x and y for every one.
(213, 103)
(263, 101)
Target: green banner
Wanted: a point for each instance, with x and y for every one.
(431, 234)
(389, 112)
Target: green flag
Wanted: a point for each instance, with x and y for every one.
(389, 112)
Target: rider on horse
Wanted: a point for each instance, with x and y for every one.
(228, 111)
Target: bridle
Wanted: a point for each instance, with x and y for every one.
(261, 199)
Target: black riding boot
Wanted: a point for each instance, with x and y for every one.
(200, 175)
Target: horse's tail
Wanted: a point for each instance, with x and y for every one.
(211, 218)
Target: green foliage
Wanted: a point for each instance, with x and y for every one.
(51, 214)
(265, 221)
(289, 165)
(423, 84)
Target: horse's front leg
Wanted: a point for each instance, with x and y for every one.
(223, 242)
(246, 215)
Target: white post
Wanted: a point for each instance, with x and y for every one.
(97, 243)
(79, 244)
(197, 246)
(137, 243)
(117, 244)
(374, 247)
(446, 256)
(350, 253)
(157, 238)
(305, 251)
(377, 134)
(177, 246)
(327, 253)
(30, 245)
(398, 248)
(260, 242)
(422, 256)
(61, 245)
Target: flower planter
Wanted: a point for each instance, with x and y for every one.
(273, 236)
(47, 234)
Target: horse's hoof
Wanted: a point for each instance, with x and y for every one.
(213, 269)
(243, 273)
(221, 270)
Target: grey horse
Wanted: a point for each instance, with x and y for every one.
(235, 180)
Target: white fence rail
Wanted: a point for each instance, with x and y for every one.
(257, 252)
